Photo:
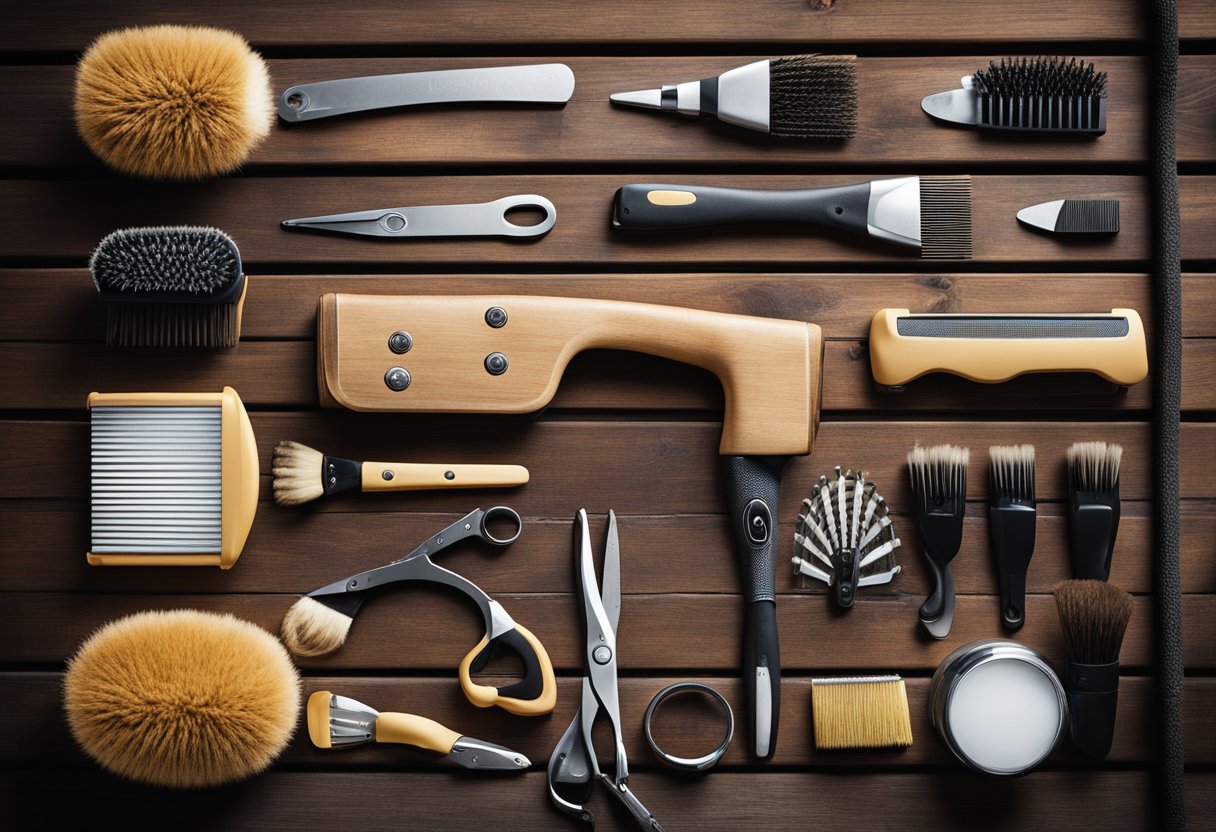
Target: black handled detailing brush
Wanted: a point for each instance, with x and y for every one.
(170, 287)
(1093, 507)
(930, 213)
(939, 501)
(1011, 523)
(796, 97)
(1074, 216)
(1093, 616)
(1046, 95)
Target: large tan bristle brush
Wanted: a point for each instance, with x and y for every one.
(182, 698)
(172, 102)
(302, 474)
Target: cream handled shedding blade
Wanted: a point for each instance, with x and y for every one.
(341, 722)
(534, 83)
(482, 219)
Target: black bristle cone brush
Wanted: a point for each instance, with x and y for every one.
(796, 97)
(170, 287)
(939, 502)
(1093, 507)
(1012, 514)
(1093, 616)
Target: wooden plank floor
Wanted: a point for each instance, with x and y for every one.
(627, 432)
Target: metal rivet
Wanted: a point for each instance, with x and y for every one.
(602, 654)
(449, 475)
(400, 342)
(496, 363)
(397, 378)
(496, 317)
(388, 475)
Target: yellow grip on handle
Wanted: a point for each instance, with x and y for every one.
(485, 696)
(421, 476)
(411, 729)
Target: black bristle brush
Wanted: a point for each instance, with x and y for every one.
(1093, 616)
(1093, 507)
(1012, 513)
(170, 287)
(1046, 95)
(795, 97)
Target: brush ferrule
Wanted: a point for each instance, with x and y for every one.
(683, 98)
(893, 212)
(1091, 678)
(338, 474)
(1093, 700)
(743, 97)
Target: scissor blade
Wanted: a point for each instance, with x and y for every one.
(611, 593)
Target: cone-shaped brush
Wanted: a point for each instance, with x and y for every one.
(172, 102)
(182, 698)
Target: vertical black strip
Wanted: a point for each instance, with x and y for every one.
(1167, 397)
(709, 97)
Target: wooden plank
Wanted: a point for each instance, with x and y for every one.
(1195, 131)
(892, 129)
(66, 219)
(41, 735)
(305, 548)
(460, 24)
(47, 459)
(427, 629)
(62, 304)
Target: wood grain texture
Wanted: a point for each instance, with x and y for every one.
(67, 219)
(41, 735)
(463, 23)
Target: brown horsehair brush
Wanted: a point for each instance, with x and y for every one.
(172, 102)
(182, 698)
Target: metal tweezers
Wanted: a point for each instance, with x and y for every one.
(482, 219)
(573, 762)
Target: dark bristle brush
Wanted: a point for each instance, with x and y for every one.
(1093, 616)
(1093, 507)
(939, 502)
(1044, 95)
(1011, 524)
(796, 97)
(170, 287)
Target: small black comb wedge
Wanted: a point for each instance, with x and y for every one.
(1074, 216)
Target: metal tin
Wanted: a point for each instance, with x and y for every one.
(998, 706)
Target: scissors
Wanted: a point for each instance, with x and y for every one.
(533, 695)
(483, 219)
(573, 762)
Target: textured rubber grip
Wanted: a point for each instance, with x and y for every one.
(689, 206)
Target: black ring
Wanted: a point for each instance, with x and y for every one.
(706, 761)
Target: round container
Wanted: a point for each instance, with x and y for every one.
(998, 706)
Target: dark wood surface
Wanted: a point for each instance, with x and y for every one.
(627, 432)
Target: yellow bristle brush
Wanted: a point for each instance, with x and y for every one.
(182, 698)
(302, 474)
(172, 102)
(861, 712)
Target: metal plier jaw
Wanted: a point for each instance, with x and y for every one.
(573, 762)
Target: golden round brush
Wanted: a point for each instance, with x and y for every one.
(182, 698)
(172, 102)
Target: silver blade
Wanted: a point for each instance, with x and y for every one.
(611, 593)
(539, 83)
(482, 219)
(957, 106)
(1043, 215)
(650, 99)
(486, 756)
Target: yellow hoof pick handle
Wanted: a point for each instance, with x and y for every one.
(533, 695)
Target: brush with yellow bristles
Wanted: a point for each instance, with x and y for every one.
(172, 102)
(302, 474)
(860, 712)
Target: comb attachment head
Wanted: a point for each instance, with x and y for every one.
(945, 217)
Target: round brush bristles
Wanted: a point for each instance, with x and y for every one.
(312, 629)
(172, 102)
(1093, 615)
(1022, 77)
(813, 97)
(297, 473)
(182, 698)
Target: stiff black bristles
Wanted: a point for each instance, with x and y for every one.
(945, 217)
(169, 287)
(813, 97)
(1093, 616)
(1048, 94)
(1089, 216)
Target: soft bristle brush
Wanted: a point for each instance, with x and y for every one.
(302, 474)
(1093, 616)
(1012, 514)
(795, 97)
(939, 502)
(860, 712)
(170, 287)
(1044, 95)
(1093, 507)
(846, 529)
(929, 213)
(1074, 216)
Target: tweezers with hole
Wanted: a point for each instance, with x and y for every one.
(483, 219)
